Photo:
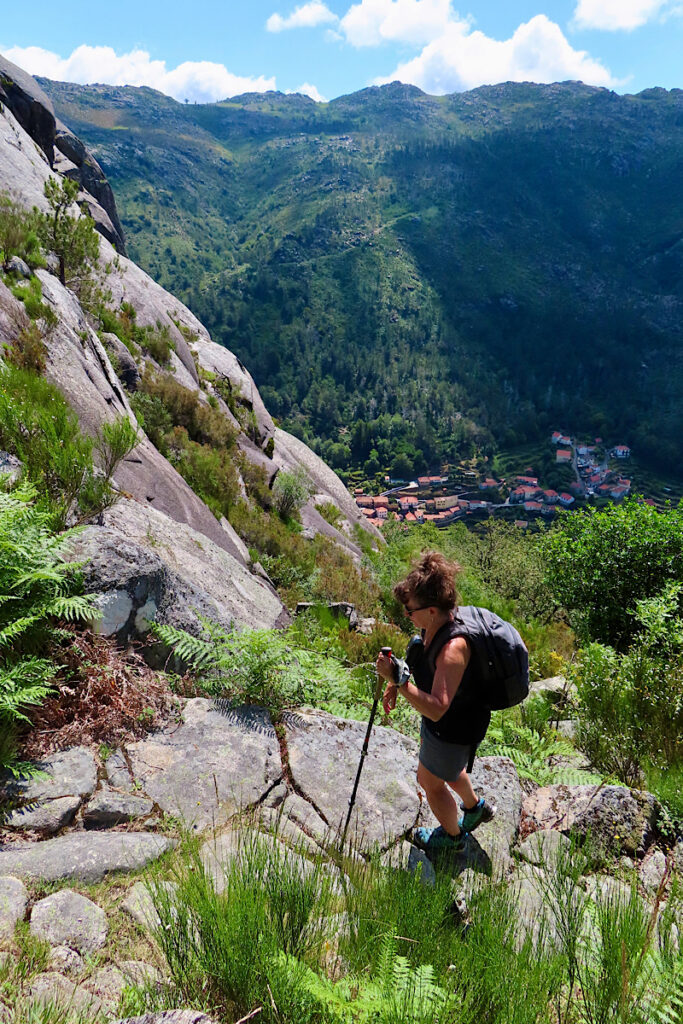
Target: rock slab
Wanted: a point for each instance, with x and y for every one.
(108, 808)
(324, 753)
(47, 817)
(218, 761)
(68, 919)
(69, 773)
(83, 856)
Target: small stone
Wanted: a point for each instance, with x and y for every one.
(68, 919)
(169, 1017)
(66, 961)
(652, 870)
(107, 985)
(52, 988)
(18, 266)
(141, 974)
(139, 904)
(544, 847)
(107, 808)
(11, 469)
(13, 903)
(47, 817)
(118, 772)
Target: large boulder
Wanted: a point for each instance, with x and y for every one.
(619, 820)
(145, 567)
(70, 772)
(90, 176)
(66, 918)
(324, 754)
(83, 856)
(218, 761)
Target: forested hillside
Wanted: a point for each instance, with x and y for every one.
(412, 278)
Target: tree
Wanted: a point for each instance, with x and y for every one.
(600, 563)
(72, 238)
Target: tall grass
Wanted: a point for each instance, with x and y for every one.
(294, 940)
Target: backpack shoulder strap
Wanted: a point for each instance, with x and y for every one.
(447, 632)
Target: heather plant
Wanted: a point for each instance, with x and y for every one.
(39, 427)
(18, 234)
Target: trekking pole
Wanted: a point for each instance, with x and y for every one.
(364, 752)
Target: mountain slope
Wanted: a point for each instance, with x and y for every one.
(406, 273)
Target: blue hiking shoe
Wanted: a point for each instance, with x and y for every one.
(438, 840)
(481, 812)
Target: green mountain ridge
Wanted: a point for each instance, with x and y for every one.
(419, 276)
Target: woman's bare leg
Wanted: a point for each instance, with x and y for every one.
(463, 787)
(440, 799)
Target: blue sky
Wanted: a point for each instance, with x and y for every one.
(207, 50)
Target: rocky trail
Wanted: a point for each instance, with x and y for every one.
(97, 816)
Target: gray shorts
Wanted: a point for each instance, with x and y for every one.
(445, 760)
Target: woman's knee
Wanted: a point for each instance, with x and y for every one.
(429, 782)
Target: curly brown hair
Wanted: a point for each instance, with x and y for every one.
(431, 583)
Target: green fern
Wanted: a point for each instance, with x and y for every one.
(36, 589)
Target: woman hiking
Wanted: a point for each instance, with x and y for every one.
(453, 720)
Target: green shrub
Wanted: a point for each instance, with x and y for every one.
(18, 235)
(210, 472)
(600, 563)
(630, 706)
(38, 426)
(330, 513)
(291, 491)
(28, 351)
(31, 294)
(202, 423)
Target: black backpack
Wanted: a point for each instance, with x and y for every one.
(498, 653)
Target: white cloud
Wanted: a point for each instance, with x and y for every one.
(307, 16)
(199, 81)
(306, 89)
(613, 15)
(462, 59)
(372, 22)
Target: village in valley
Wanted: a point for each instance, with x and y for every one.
(464, 495)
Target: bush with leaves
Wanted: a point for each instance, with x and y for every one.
(291, 491)
(37, 587)
(39, 427)
(630, 706)
(18, 233)
(601, 562)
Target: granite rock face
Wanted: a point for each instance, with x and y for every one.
(29, 104)
(146, 568)
(324, 753)
(216, 762)
(619, 820)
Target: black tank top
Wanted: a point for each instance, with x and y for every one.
(466, 719)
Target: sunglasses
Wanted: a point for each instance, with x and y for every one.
(411, 611)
